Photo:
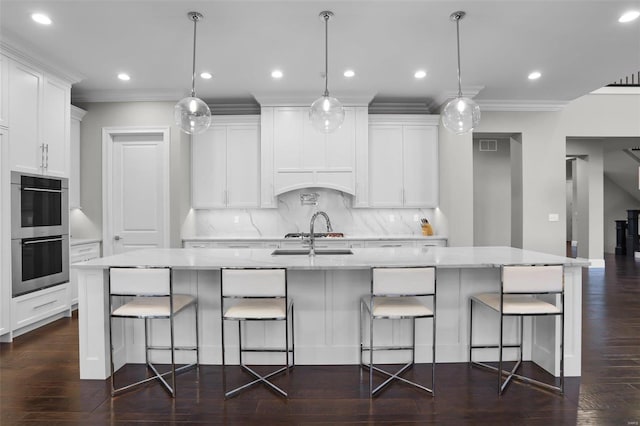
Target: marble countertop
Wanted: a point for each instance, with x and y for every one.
(363, 258)
(346, 237)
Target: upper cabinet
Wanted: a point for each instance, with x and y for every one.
(402, 162)
(74, 172)
(39, 121)
(295, 155)
(225, 164)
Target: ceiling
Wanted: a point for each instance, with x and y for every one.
(578, 46)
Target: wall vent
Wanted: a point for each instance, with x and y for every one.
(488, 144)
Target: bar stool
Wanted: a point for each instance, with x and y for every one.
(147, 294)
(256, 295)
(519, 287)
(396, 293)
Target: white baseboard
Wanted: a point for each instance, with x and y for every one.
(596, 263)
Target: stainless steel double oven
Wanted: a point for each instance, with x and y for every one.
(39, 232)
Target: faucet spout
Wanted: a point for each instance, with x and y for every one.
(312, 238)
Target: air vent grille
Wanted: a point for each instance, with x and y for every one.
(488, 145)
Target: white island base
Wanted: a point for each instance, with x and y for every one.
(326, 291)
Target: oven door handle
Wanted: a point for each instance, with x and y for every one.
(28, 188)
(48, 240)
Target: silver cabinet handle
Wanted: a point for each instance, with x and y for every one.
(47, 157)
(42, 157)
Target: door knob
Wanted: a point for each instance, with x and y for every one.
(117, 237)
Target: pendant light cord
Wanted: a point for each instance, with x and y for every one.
(195, 19)
(326, 55)
(459, 73)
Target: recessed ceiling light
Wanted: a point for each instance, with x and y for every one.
(206, 75)
(535, 75)
(276, 74)
(41, 18)
(124, 76)
(629, 16)
(349, 73)
(420, 74)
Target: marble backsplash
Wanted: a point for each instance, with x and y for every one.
(292, 216)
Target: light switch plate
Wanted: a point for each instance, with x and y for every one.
(554, 217)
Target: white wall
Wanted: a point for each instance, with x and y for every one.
(107, 114)
(492, 194)
(517, 212)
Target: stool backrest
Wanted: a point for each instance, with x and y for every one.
(140, 281)
(254, 283)
(403, 281)
(533, 279)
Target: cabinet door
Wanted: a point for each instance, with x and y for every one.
(243, 166)
(385, 166)
(208, 168)
(288, 125)
(5, 227)
(25, 94)
(74, 165)
(420, 171)
(4, 91)
(55, 127)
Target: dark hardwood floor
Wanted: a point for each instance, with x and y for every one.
(39, 382)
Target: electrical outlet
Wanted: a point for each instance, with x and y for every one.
(554, 217)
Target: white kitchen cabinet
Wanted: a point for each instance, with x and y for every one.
(403, 161)
(74, 164)
(5, 235)
(32, 310)
(225, 164)
(4, 91)
(295, 155)
(80, 253)
(39, 121)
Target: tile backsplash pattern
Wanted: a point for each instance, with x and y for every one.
(291, 216)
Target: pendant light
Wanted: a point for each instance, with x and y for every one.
(192, 114)
(326, 113)
(460, 115)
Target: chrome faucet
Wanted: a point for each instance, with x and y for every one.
(312, 238)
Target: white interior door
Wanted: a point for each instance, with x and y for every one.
(137, 193)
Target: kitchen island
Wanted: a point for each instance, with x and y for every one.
(326, 290)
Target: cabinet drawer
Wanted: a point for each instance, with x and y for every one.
(82, 252)
(39, 305)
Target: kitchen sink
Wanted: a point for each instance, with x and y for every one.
(293, 252)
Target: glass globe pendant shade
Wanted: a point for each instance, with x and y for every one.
(460, 115)
(192, 115)
(326, 114)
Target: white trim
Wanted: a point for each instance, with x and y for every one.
(148, 95)
(13, 50)
(305, 99)
(77, 113)
(616, 90)
(596, 263)
(440, 99)
(522, 106)
(235, 119)
(423, 119)
(107, 165)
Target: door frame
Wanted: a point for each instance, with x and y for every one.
(108, 135)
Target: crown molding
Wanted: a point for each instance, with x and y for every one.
(147, 95)
(617, 90)
(18, 52)
(467, 92)
(306, 99)
(381, 107)
(521, 106)
(428, 119)
(77, 113)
